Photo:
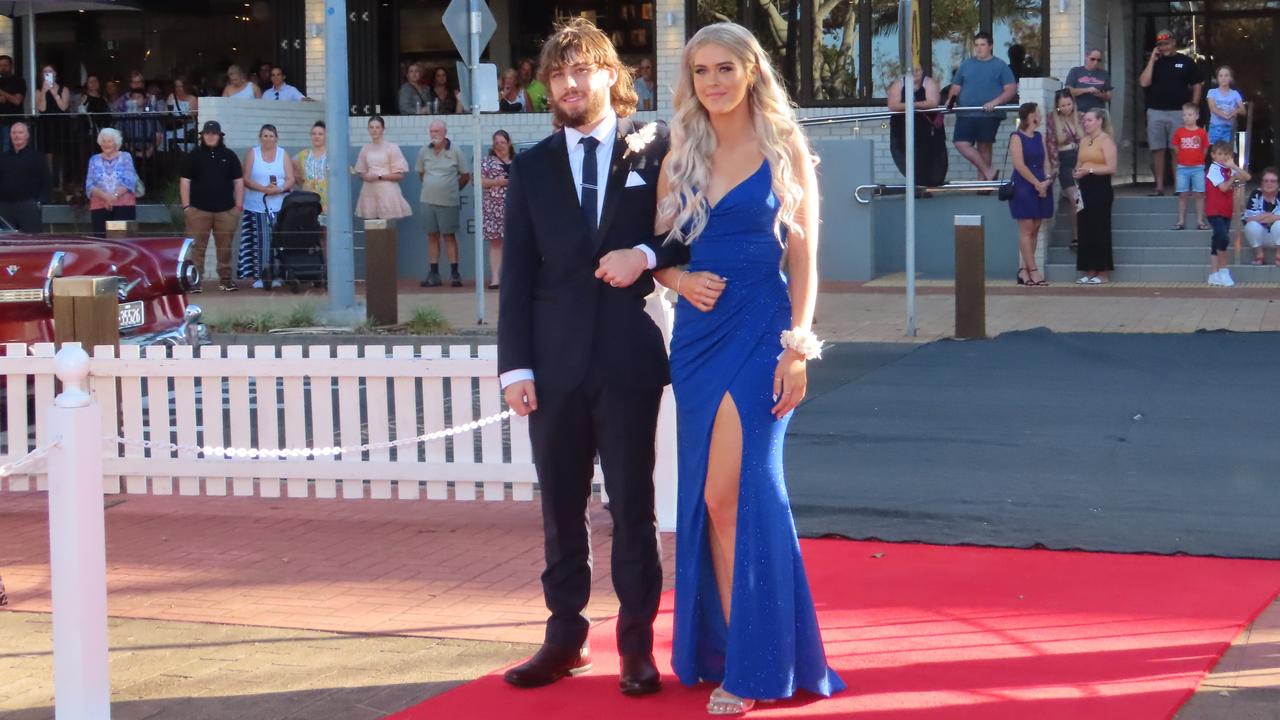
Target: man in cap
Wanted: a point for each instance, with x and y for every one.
(1171, 81)
(212, 193)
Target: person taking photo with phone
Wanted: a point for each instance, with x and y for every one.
(268, 176)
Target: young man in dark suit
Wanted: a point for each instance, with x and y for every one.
(577, 351)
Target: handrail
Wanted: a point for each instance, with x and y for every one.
(961, 186)
(886, 114)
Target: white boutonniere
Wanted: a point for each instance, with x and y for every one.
(638, 140)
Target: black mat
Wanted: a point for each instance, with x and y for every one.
(1128, 443)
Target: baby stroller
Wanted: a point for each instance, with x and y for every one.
(297, 242)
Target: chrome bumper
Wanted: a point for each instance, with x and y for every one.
(191, 331)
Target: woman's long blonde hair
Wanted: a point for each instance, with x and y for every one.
(693, 141)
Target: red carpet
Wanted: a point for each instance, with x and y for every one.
(957, 632)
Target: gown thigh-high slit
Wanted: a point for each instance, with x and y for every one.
(773, 646)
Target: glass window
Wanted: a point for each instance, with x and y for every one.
(885, 61)
(1015, 27)
(955, 22)
(836, 51)
(775, 25)
(706, 12)
(847, 50)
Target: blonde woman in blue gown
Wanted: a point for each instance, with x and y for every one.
(740, 190)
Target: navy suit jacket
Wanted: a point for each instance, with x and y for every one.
(554, 315)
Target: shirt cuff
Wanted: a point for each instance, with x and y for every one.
(512, 377)
(649, 255)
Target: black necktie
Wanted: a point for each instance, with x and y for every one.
(589, 184)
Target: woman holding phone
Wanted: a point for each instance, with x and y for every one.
(268, 175)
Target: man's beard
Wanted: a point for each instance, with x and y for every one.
(590, 110)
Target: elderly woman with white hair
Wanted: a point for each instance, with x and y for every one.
(111, 183)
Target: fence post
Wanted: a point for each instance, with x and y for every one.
(122, 228)
(665, 467)
(86, 310)
(971, 278)
(381, 301)
(77, 546)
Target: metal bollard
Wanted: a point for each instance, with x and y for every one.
(381, 299)
(86, 310)
(77, 546)
(971, 278)
(121, 228)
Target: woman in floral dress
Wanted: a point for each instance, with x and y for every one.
(494, 170)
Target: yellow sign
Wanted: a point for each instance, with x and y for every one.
(915, 34)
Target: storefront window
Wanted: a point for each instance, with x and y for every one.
(846, 51)
(836, 51)
(706, 12)
(955, 22)
(1015, 27)
(886, 66)
(778, 30)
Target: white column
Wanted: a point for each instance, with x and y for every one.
(77, 546)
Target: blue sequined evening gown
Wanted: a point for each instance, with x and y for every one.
(773, 647)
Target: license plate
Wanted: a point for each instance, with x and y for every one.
(131, 315)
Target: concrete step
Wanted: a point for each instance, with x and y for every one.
(1156, 255)
(1061, 237)
(1063, 272)
(1124, 204)
(1136, 221)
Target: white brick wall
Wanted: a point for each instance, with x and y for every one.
(314, 11)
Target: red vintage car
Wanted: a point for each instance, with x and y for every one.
(155, 274)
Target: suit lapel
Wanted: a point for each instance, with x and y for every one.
(565, 193)
(617, 181)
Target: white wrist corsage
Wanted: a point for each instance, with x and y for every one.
(637, 140)
(803, 342)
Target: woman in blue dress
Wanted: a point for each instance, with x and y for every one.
(739, 188)
(1031, 202)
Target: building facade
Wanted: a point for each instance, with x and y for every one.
(837, 56)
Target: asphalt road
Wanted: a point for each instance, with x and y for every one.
(1129, 443)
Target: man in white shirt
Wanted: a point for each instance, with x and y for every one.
(577, 353)
(281, 90)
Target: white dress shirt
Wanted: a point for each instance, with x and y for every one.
(287, 93)
(606, 132)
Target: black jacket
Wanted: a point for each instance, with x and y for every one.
(554, 315)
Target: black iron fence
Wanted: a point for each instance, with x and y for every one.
(156, 140)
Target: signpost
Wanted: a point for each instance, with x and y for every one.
(907, 56)
(471, 25)
(341, 255)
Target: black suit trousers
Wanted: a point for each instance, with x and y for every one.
(567, 431)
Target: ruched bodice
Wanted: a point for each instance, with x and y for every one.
(773, 646)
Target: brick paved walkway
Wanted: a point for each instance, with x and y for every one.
(440, 569)
(457, 583)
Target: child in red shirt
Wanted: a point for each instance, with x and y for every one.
(1192, 143)
(1222, 178)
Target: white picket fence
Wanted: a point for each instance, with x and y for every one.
(167, 402)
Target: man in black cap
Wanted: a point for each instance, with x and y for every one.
(1171, 81)
(212, 192)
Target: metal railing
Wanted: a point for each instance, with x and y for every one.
(157, 141)
(876, 189)
(887, 114)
